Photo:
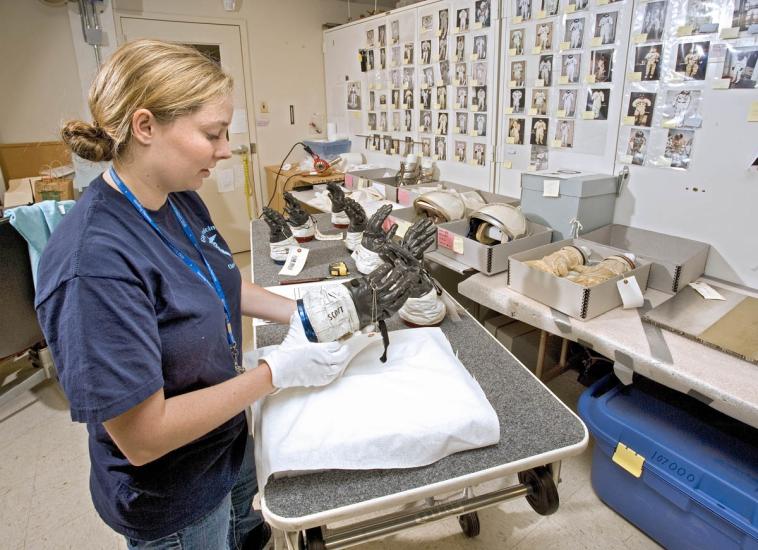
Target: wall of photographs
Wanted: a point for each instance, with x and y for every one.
(666, 88)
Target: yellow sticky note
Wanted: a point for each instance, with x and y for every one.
(560, 113)
(563, 80)
(634, 77)
(472, 133)
(539, 83)
(393, 152)
(512, 51)
(590, 79)
(565, 45)
(474, 56)
(472, 162)
(532, 167)
(458, 158)
(518, 19)
(405, 86)
(457, 105)
(356, 114)
(640, 38)
(439, 33)
(626, 159)
(456, 29)
(508, 164)
(512, 83)
(721, 84)
(664, 161)
(509, 110)
(475, 108)
(752, 115)
(602, 2)
(435, 157)
(596, 41)
(424, 86)
(440, 83)
(684, 30)
(437, 106)
(570, 8)
(666, 123)
(474, 82)
(727, 34)
(557, 143)
(370, 86)
(403, 105)
(532, 112)
(458, 244)
(536, 49)
(629, 120)
(476, 26)
(456, 130)
(588, 115)
(541, 14)
(455, 59)
(510, 140)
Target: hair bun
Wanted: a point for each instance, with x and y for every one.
(88, 141)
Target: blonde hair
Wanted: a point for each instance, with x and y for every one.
(169, 80)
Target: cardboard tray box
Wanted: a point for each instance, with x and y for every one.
(566, 296)
(360, 179)
(676, 261)
(489, 259)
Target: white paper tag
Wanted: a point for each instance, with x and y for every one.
(630, 292)
(551, 188)
(295, 261)
(225, 180)
(706, 291)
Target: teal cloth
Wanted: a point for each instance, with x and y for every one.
(36, 223)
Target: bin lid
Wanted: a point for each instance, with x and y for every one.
(573, 183)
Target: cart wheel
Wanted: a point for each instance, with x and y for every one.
(313, 539)
(543, 494)
(469, 524)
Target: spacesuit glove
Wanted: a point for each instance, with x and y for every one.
(277, 225)
(374, 236)
(306, 365)
(337, 196)
(357, 216)
(296, 215)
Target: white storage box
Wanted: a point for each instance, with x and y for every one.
(567, 296)
(676, 262)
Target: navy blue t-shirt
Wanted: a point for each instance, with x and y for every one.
(125, 317)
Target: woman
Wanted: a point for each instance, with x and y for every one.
(141, 307)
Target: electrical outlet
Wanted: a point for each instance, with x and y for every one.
(264, 107)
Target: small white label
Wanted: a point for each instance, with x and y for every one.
(295, 261)
(631, 295)
(551, 188)
(706, 291)
(225, 180)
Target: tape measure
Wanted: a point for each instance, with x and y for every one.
(338, 269)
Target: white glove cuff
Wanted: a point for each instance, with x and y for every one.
(424, 311)
(340, 218)
(366, 260)
(280, 250)
(352, 240)
(328, 314)
(305, 231)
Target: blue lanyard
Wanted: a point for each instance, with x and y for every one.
(189, 262)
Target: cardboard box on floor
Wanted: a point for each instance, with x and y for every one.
(523, 340)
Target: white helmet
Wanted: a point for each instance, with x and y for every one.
(498, 222)
(441, 206)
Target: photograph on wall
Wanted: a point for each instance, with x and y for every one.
(395, 96)
(516, 42)
(640, 107)
(571, 64)
(425, 121)
(636, 146)
(427, 77)
(376, 142)
(579, 5)
(605, 27)
(441, 98)
(517, 96)
(479, 98)
(567, 102)
(408, 54)
(444, 69)
(679, 147)
(550, 7)
(383, 121)
(408, 99)
(370, 38)
(427, 23)
(442, 50)
(653, 20)
(480, 153)
(524, 9)
(443, 23)
(518, 72)
(545, 70)
(745, 14)
(740, 67)
(564, 132)
(396, 127)
(395, 32)
(440, 148)
(538, 134)
(538, 157)
(647, 61)
(692, 60)
(426, 98)
(480, 47)
(461, 123)
(395, 79)
(682, 109)
(703, 16)
(480, 124)
(370, 60)
(597, 103)
(601, 65)
(426, 52)
(543, 37)
(396, 146)
(461, 98)
(372, 121)
(460, 151)
(516, 130)
(426, 147)
(383, 58)
(353, 96)
(408, 121)
(482, 12)
(382, 36)
(461, 20)
(479, 72)
(574, 34)
(407, 146)
(540, 101)
(409, 76)
(460, 48)
(382, 101)
(395, 56)
(442, 123)
(460, 74)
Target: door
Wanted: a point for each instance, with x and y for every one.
(226, 192)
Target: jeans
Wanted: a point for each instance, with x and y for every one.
(225, 527)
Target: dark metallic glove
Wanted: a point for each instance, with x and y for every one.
(277, 225)
(357, 216)
(379, 295)
(419, 237)
(296, 216)
(374, 236)
(337, 196)
(400, 256)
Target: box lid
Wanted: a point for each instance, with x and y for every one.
(696, 449)
(573, 183)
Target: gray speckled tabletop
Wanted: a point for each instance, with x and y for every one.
(532, 420)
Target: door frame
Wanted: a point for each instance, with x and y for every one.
(256, 170)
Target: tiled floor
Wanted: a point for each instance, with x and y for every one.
(45, 502)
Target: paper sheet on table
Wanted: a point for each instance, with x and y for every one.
(418, 407)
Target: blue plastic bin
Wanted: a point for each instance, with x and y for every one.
(329, 150)
(699, 481)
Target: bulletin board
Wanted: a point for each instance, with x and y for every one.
(675, 101)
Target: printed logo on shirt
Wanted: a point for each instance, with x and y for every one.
(209, 235)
